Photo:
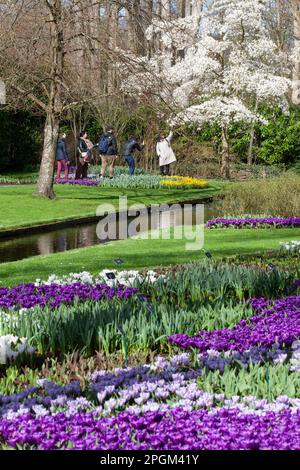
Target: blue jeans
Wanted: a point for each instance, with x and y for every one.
(131, 163)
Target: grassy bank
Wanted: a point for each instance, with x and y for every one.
(21, 209)
(140, 253)
(279, 196)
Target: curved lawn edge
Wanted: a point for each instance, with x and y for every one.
(73, 222)
(24, 213)
(140, 253)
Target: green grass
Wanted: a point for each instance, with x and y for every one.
(139, 253)
(21, 209)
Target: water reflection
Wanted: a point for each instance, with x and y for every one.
(85, 235)
(44, 244)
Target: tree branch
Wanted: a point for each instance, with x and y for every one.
(32, 97)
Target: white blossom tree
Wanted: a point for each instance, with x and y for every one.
(222, 65)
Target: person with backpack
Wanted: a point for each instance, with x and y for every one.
(62, 158)
(165, 152)
(83, 156)
(130, 146)
(108, 149)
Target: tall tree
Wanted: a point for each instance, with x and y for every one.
(53, 107)
(33, 65)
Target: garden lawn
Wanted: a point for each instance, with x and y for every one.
(140, 253)
(21, 209)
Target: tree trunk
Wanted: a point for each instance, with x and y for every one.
(165, 9)
(138, 21)
(45, 180)
(182, 8)
(250, 150)
(54, 108)
(225, 168)
(113, 44)
(252, 135)
(279, 32)
(193, 7)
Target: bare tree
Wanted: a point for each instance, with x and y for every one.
(44, 62)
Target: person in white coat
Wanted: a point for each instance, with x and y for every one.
(165, 153)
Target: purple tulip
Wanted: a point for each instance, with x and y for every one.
(278, 323)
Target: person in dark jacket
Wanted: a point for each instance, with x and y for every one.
(62, 158)
(83, 156)
(130, 146)
(108, 149)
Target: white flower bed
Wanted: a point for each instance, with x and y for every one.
(293, 246)
(12, 346)
(127, 278)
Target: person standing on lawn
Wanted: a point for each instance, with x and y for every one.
(62, 158)
(90, 146)
(165, 153)
(130, 146)
(83, 156)
(108, 149)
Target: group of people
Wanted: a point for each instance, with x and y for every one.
(108, 149)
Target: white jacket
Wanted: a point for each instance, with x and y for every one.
(165, 152)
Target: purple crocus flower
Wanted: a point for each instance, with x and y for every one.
(29, 295)
(274, 222)
(85, 182)
(176, 429)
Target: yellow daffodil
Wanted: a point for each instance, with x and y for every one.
(183, 181)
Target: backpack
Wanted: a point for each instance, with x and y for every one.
(104, 144)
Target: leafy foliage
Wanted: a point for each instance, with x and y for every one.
(20, 140)
(275, 196)
(279, 140)
(260, 381)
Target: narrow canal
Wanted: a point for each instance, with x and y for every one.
(80, 235)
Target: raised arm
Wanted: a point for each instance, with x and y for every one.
(170, 136)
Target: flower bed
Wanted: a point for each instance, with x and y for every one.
(166, 383)
(240, 390)
(132, 182)
(142, 181)
(290, 247)
(18, 180)
(111, 277)
(11, 347)
(182, 182)
(134, 406)
(278, 324)
(83, 312)
(29, 295)
(169, 430)
(86, 182)
(266, 222)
